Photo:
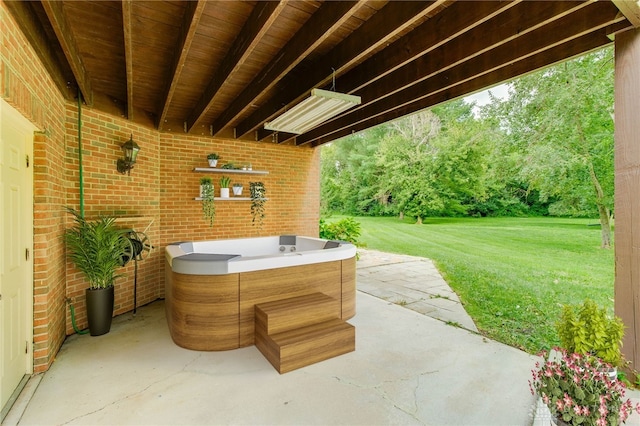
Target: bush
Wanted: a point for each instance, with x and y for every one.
(347, 229)
(587, 329)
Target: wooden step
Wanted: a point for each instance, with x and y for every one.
(295, 312)
(300, 347)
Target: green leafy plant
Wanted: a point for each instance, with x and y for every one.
(578, 391)
(347, 229)
(588, 329)
(258, 193)
(97, 248)
(225, 181)
(237, 185)
(213, 156)
(208, 199)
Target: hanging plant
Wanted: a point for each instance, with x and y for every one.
(207, 194)
(258, 199)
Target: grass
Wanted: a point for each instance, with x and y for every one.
(512, 274)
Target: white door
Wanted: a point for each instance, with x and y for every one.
(16, 241)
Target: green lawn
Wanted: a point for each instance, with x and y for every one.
(512, 274)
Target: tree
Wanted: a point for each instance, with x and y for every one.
(561, 120)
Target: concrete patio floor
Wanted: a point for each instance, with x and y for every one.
(408, 368)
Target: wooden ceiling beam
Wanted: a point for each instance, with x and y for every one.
(630, 9)
(387, 23)
(415, 78)
(556, 33)
(128, 53)
(26, 18)
(452, 22)
(556, 54)
(510, 25)
(329, 17)
(62, 29)
(261, 19)
(190, 20)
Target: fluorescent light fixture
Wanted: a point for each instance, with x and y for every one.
(318, 108)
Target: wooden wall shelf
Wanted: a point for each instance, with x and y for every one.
(232, 171)
(228, 198)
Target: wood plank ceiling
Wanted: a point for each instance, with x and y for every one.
(224, 68)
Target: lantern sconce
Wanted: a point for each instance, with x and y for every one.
(130, 149)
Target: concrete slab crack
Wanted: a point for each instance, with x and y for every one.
(136, 393)
(410, 405)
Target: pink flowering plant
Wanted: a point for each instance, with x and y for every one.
(578, 390)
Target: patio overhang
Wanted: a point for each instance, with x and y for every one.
(224, 68)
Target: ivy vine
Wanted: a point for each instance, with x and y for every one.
(258, 193)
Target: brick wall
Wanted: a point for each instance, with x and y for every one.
(157, 197)
(292, 189)
(26, 86)
(133, 198)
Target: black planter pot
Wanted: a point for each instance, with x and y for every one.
(99, 310)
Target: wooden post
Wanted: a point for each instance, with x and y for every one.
(627, 190)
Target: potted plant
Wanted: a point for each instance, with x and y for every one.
(589, 330)
(257, 193)
(577, 391)
(213, 159)
(208, 199)
(97, 248)
(237, 188)
(225, 181)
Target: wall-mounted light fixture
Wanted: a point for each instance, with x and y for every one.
(316, 109)
(130, 149)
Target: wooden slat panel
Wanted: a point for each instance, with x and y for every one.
(348, 288)
(494, 57)
(383, 26)
(306, 346)
(296, 312)
(202, 311)
(281, 283)
(330, 16)
(54, 10)
(190, 21)
(627, 184)
(128, 53)
(558, 53)
(263, 16)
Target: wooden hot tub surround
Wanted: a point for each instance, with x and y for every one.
(217, 312)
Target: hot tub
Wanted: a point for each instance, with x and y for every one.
(213, 286)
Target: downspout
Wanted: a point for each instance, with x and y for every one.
(81, 178)
(80, 174)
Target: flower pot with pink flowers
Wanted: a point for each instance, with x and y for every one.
(578, 391)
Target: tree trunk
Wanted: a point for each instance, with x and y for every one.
(605, 226)
(401, 215)
(419, 221)
(603, 210)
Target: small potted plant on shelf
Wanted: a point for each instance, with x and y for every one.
(577, 390)
(97, 248)
(225, 181)
(213, 159)
(237, 189)
(208, 199)
(257, 193)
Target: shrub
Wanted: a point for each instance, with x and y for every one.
(347, 229)
(587, 329)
